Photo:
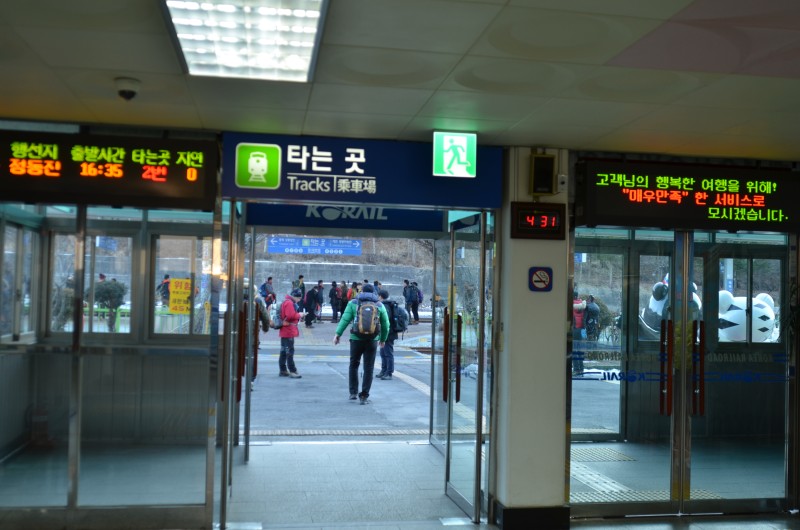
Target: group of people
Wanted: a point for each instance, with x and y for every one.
(585, 318)
(585, 325)
(301, 304)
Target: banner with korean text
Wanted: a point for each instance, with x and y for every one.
(341, 170)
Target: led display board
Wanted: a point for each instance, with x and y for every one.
(537, 220)
(689, 196)
(108, 170)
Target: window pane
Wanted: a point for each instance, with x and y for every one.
(175, 289)
(62, 286)
(9, 280)
(28, 243)
(767, 286)
(107, 307)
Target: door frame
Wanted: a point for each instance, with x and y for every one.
(472, 502)
(712, 252)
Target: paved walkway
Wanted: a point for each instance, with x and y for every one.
(316, 407)
(321, 334)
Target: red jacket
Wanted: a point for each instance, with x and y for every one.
(290, 318)
(578, 307)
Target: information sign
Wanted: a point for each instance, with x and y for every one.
(180, 294)
(671, 196)
(314, 245)
(455, 154)
(312, 169)
(540, 279)
(107, 170)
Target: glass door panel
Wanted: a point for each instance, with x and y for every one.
(439, 340)
(597, 344)
(617, 374)
(738, 406)
(466, 360)
(702, 383)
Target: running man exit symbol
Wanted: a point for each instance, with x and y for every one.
(540, 279)
(454, 154)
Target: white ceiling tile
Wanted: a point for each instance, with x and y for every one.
(746, 92)
(580, 113)
(461, 104)
(519, 72)
(253, 120)
(558, 36)
(569, 137)
(383, 67)
(660, 10)
(430, 25)
(249, 93)
(353, 125)
(368, 99)
(611, 83)
(677, 119)
(98, 48)
(515, 77)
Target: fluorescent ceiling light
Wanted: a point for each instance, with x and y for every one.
(275, 40)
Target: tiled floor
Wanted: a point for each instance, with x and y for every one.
(320, 485)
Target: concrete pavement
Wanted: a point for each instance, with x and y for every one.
(316, 407)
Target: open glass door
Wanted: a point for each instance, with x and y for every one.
(701, 384)
(462, 309)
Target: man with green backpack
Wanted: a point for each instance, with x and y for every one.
(370, 329)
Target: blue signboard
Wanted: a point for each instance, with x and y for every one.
(344, 216)
(342, 170)
(314, 245)
(540, 279)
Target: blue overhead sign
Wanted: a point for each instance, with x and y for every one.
(343, 170)
(344, 216)
(314, 245)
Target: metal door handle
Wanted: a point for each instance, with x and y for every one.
(698, 368)
(458, 358)
(445, 354)
(666, 359)
(701, 376)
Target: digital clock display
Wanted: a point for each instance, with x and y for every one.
(108, 170)
(537, 220)
(669, 196)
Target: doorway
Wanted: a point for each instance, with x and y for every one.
(693, 394)
(334, 426)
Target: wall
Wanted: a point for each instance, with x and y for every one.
(531, 384)
(15, 397)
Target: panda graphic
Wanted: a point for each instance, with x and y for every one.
(732, 311)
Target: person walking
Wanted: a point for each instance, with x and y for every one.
(320, 302)
(335, 296)
(413, 300)
(163, 290)
(301, 284)
(407, 295)
(267, 292)
(387, 350)
(362, 346)
(290, 317)
(310, 305)
(344, 300)
(592, 319)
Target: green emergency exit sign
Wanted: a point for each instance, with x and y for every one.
(455, 154)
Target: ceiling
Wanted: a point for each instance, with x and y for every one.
(684, 77)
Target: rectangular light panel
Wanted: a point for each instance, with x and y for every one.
(274, 40)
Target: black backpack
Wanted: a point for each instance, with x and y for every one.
(413, 294)
(367, 324)
(398, 316)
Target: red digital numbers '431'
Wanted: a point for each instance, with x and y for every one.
(541, 221)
